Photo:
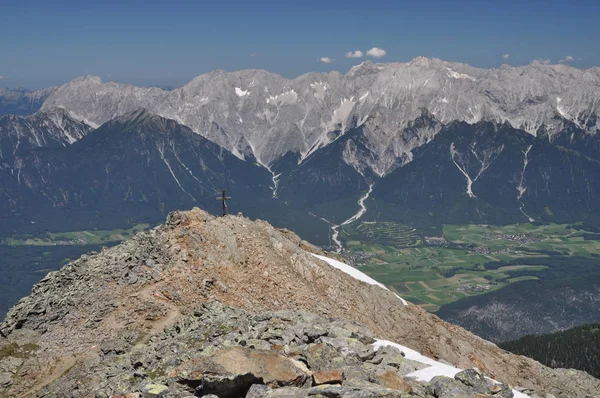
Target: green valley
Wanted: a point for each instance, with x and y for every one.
(466, 260)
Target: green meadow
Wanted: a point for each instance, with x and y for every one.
(467, 261)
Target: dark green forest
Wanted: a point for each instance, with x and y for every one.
(576, 348)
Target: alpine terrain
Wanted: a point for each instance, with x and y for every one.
(232, 307)
(423, 144)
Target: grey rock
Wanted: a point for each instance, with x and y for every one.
(10, 364)
(445, 387)
(5, 379)
(340, 391)
(472, 378)
(320, 356)
(257, 391)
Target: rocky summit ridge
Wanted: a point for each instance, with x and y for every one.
(233, 307)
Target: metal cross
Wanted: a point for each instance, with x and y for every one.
(224, 198)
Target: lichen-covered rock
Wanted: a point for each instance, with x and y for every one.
(155, 391)
(446, 387)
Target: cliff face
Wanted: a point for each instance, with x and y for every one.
(96, 326)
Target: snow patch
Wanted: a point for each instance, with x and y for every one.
(319, 88)
(364, 96)
(241, 93)
(347, 269)
(560, 109)
(341, 114)
(457, 75)
(434, 369)
(356, 274)
(82, 119)
(286, 98)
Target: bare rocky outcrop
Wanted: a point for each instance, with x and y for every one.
(126, 301)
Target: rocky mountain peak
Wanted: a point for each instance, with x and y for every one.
(272, 116)
(51, 128)
(142, 119)
(136, 311)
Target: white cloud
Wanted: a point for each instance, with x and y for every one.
(325, 60)
(355, 54)
(566, 60)
(376, 52)
(253, 55)
(506, 56)
(541, 61)
(1, 77)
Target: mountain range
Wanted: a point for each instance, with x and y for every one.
(434, 141)
(425, 143)
(21, 101)
(261, 114)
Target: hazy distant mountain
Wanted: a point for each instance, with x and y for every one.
(52, 128)
(22, 102)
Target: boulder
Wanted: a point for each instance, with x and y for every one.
(332, 391)
(5, 379)
(473, 378)
(269, 366)
(155, 391)
(482, 385)
(328, 377)
(446, 387)
(391, 379)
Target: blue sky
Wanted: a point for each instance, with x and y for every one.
(170, 42)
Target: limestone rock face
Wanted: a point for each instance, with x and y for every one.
(229, 306)
(261, 114)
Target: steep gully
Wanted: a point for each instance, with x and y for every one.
(522, 188)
